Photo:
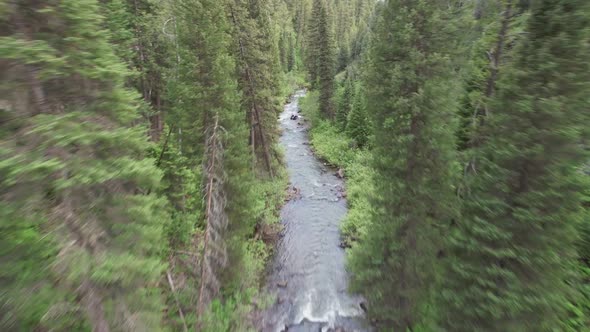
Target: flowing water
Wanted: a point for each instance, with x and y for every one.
(308, 275)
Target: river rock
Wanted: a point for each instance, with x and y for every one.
(340, 173)
(363, 306)
(282, 284)
(293, 193)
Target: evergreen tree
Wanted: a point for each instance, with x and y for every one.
(345, 104)
(76, 176)
(258, 81)
(322, 57)
(510, 264)
(284, 51)
(118, 19)
(282, 25)
(358, 127)
(300, 16)
(488, 56)
(312, 48)
(142, 46)
(291, 54)
(410, 95)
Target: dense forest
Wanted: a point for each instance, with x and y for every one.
(141, 175)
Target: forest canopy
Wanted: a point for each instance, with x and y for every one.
(142, 175)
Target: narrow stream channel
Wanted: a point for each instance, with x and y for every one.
(308, 275)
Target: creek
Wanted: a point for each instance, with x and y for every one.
(308, 275)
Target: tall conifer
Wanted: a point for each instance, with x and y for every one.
(345, 103)
(511, 253)
(357, 124)
(257, 77)
(74, 169)
(321, 57)
(410, 97)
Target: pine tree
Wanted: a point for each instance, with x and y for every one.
(358, 127)
(511, 254)
(322, 57)
(284, 51)
(312, 48)
(345, 104)
(301, 13)
(291, 54)
(141, 45)
(489, 53)
(258, 81)
(150, 61)
(281, 24)
(410, 91)
(77, 175)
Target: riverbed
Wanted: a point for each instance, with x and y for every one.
(308, 276)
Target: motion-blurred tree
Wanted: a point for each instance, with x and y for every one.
(512, 252)
(76, 176)
(411, 92)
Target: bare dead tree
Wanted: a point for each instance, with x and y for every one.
(173, 289)
(214, 250)
(496, 55)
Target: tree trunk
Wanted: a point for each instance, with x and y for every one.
(214, 249)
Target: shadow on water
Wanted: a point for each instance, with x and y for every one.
(308, 276)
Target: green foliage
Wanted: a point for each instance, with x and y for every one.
(410, 96)
(119, 22)
(345, 101)
(291, 82)
(258, 74)
(90, 209)
(26, 295)
(524, 202)
(321, 55)
(94, 235)
(578, 305)
(328, 142)
(106, 111)
(478, 71)
(359, 189)
(358, 126)
(479, 85)
(584, 226)
(227, 316)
